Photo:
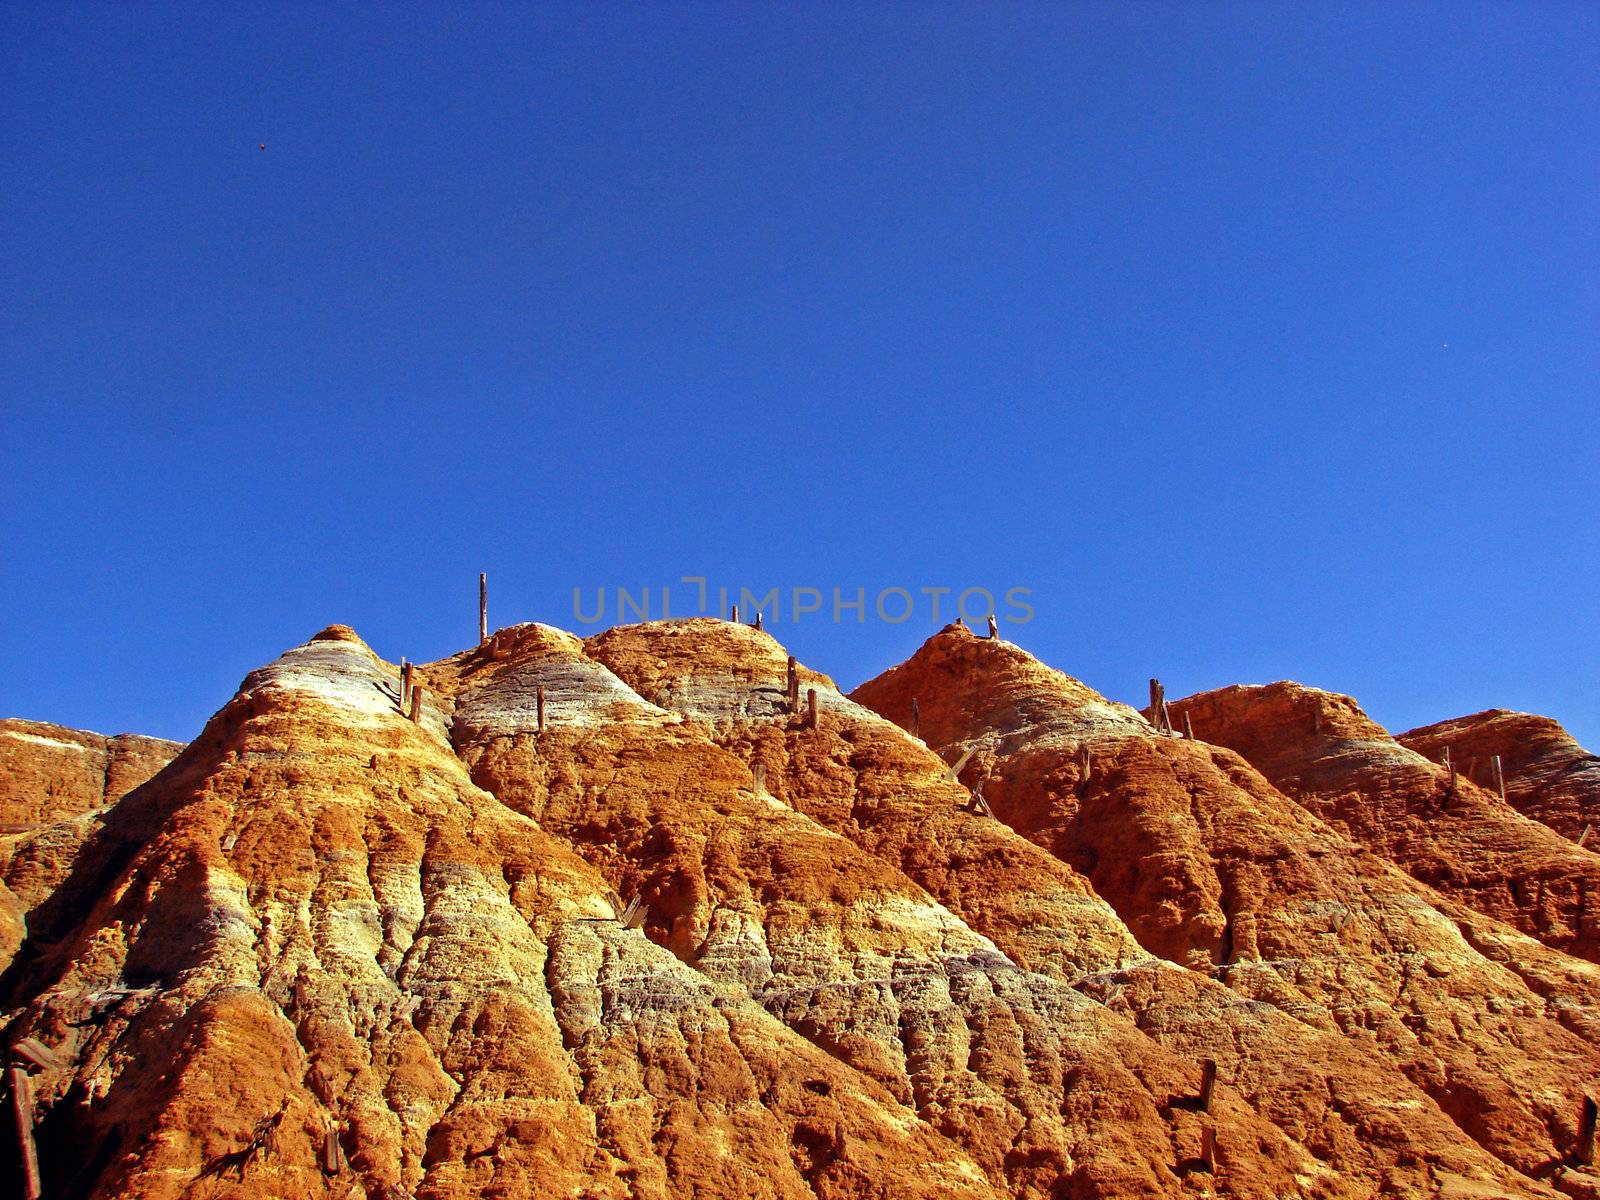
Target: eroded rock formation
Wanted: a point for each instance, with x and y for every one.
(1431, 819)
(622, 917)
(1546, 774)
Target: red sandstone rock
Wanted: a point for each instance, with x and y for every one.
(314, 920)
(1046, 1090)
(1462, 839)
(1548, 776)
(48, 772)
(1212, 866)
(850, 980)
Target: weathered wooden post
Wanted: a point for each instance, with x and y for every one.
(916, 719)
(405, 685)
(1584, 1151)
(994, 629)
(416, 701)
(735, 617)
(758, 618)
(483, 608)
(1450, 766)
(21, 1090)
(1584, 836)
(538, 704)
(1188, 726)
(793, 686)
(1499, 777)
(954, 773)
(1159, 717)
(1208, 1148)
(978, 803)
(32, 1050)
(811, 708)
(333, 1160)
(1208, 1082)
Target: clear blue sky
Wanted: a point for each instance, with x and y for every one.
(1259, 341)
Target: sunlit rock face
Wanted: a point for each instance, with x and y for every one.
(1213, 867)
(50, 773)
(616, 918)
(1546, 774)
(1445, 829)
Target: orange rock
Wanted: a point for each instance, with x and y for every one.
(1459, 837)
(851, 976)
(1213, 867)
(1548, 776)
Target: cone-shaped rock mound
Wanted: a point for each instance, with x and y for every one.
(661, 912)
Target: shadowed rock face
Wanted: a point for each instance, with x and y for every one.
(54, 785)
(1548, 776)
(1459, 837)
(850, 980)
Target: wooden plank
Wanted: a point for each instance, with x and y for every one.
(954, 772)
(1584, 1152)
(21, 1091)
(32, 1050)
(1208, 1083)
(333, 1160)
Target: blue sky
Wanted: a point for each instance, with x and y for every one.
(1257, 341)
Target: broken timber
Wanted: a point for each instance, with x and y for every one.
(978, 804)
(35, 1053)
(483, 608)
(1583, 1152)
(630, 915)
(954, 772)
(1159, 716)
(333, 1159)
(21, 1090)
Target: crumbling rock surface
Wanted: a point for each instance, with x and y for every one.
(327, 950)
(1049, 1092)
(1213, 867)
(49, 773)
(1547, 775)
(1444, 829)
(313, 921)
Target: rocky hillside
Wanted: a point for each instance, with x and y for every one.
(664, 913)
